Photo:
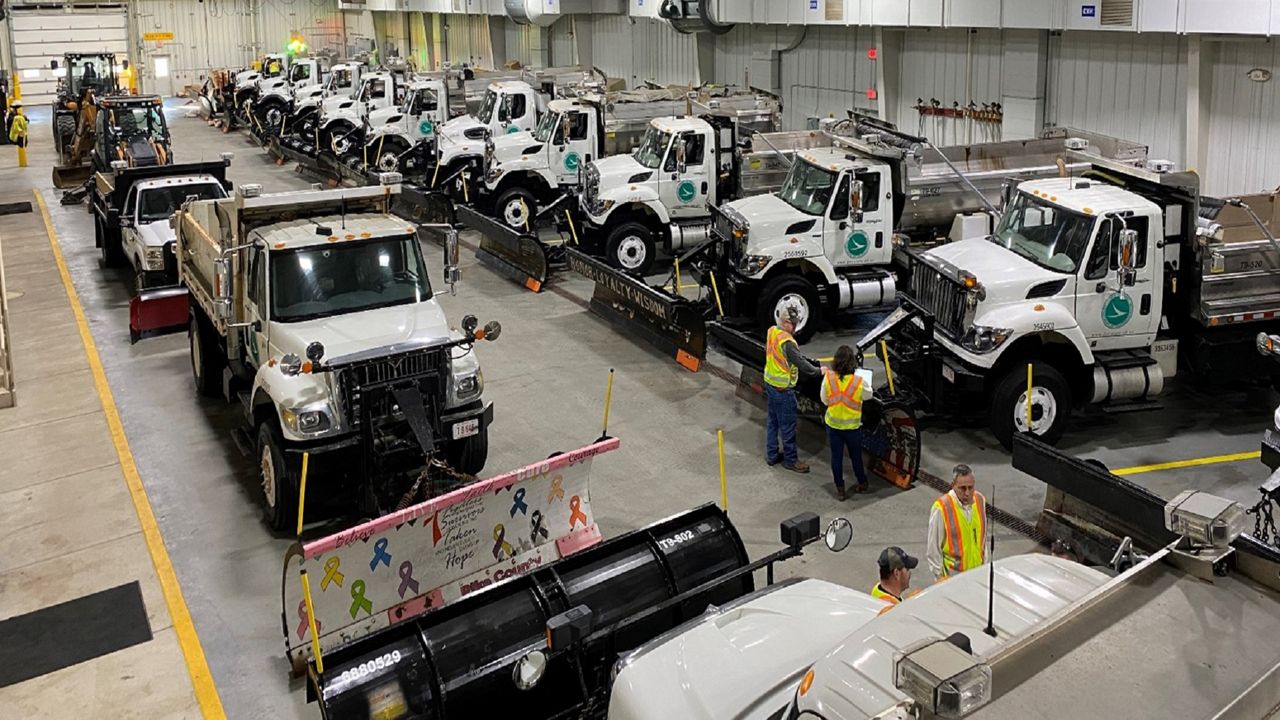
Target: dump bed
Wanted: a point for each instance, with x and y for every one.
(767, 160)
(1239, 273)
(627, 112)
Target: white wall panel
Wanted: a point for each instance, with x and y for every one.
(639, 49)
(1133, 87)
(468, 41)
(951, 66)
(1243, 142)
(564, 44)
(205, 35)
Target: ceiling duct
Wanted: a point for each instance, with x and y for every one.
(544, 12)
(692, 16)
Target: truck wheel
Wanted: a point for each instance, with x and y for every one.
(277, 478)
(205, 365)
(1050, 404)
(65, 127)
(468, 455)
(789, 292)
(631, 249)
(112, 253)
(388, 158)
(516, 207)
(271, 117)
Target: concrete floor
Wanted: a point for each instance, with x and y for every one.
(547, 376)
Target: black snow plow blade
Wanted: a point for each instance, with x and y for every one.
(519, 256)
(890, 431)
(305, 159)
(675, 325)
(425, 206)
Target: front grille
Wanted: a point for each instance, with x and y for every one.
(940, 295)
(358, 381)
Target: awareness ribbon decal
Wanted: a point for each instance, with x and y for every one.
(306, 621)
(576, 515)
(535, 522)
(518, 503)
(331, 574)
(380, 554)
(358, 601)
(557, 491)
(406, 578)
(500, 544)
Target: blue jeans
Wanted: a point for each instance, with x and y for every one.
(839, 440)
(782, 419)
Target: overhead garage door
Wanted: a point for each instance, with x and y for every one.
(41, 35)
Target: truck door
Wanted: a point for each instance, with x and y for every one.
(571, 146)
(381, 92)
(424, 114)
(129, 230)
(1114, 315)
(861, 238)
(257, 340)
(514, 114)
(686, 176)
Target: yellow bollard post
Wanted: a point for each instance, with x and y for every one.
(888, 371)
(608, 399)
(716, 291)
(302, 490)
(17, 86)
(1029, 397)
(573, 232)
(311, 620)
(724, 488)
(679, 287)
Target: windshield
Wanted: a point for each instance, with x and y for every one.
(653, 147)
(159, 203)
(133, 121)
(340, 79)
(486, 109)
(95, 72)
(547, 127)
(272, 67)
(319, 281)
(808, 188)
(1045, 234)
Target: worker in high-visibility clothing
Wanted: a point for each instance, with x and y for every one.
(895, 576)
(18, 128)
(843, 389)
(783, 366)
(958, 527)
(128, 78)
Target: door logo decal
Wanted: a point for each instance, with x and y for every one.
(425, 127)
(571, 162)
(857, 244)
(686, 191)
(1117, 311)
(513, 130)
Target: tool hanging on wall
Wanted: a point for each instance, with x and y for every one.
(959, 124)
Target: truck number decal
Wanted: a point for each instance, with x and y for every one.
(670, 543)
(1042, 326)
(1251, 264)
(792, 253)
(372, 666)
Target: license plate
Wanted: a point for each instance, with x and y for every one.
(466, 428)
(949, 374)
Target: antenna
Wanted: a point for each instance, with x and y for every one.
(991, 582)
(343, 205)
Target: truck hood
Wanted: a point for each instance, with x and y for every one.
(454, 128)
(768, 642)
(354, 332)
(617, 170)
(1006, 275)
(381, 116)
(508, 150)
(155, 234)
(768, 217)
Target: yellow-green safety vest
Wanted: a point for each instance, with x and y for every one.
(880, 593)
(962, 538)
(844, 401)
(778, 371)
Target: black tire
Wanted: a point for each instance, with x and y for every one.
(631, 249)
(388, 157)
(508, 210)
(270, 115)
(206, 365)
(342, 141)
(794, 291)
(112, 253)
(280, 491)
(469, 455)
(1051, 397)
(64, 129)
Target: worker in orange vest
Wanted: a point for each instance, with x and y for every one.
(958, 527)
(783, 365)
(843, 389)
(895, 576)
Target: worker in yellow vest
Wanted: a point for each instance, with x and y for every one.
(18, 126)
(783, 366)
(843, 389)
(895, 576)
(128, 78)
(958, 527)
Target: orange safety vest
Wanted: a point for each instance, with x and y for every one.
(844, 401)
(880, 593)
(778, 371)
(963, 546)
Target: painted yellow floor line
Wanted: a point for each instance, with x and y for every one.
(197, 666)
(1254, 455)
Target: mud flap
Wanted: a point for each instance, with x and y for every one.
(519, 256)
(158, 311)
(70, 176)
(674, 325)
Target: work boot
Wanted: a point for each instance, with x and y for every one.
(840, 495)
(774, 460)
(800, 466)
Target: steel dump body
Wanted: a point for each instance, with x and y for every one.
(627, 113)
(766, 163)
(1238, 279)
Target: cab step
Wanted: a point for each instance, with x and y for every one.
(243, 443)
(1121, 408)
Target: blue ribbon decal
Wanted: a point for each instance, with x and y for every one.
(518, 503)
(380, 554)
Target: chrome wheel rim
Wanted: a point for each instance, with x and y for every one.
(632, 252)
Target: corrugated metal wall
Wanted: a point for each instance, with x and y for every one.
(639, 49)
(950, 66)
(1244, 148)
(468, 40)
(564, 46)
(1129, 86)
(525, 43)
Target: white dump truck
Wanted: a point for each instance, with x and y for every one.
(1106, 283)
(277, 97)
(248, 83)
(342, 83)
(342, 127)
(313, 311)
(398, 136)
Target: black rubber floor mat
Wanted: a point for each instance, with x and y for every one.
(72, 632)
(15, 208)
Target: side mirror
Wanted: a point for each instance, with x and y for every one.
(855, 196)
(222, 287)
(469, 324)
(1128, 256)
(839, 534)
(451, 258)
(491, 331)
(1006, 193)
(528, 671)
(565, 127)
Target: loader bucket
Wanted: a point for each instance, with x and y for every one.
(69, 176)
(673, 324)
(519, 256)
(158, 311)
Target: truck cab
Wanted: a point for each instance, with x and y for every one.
(342, 83)
(343, 127)
(276, 96)
(525, 170)
(147, 238)
(509, 107)
(395, 131)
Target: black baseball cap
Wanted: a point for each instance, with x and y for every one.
(894, 557)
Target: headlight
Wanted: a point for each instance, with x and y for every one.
(470, 386)
(1277, 418)
(305, 420)
(155, 258)
(981, 339)
(606, 205)
(752, 264)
